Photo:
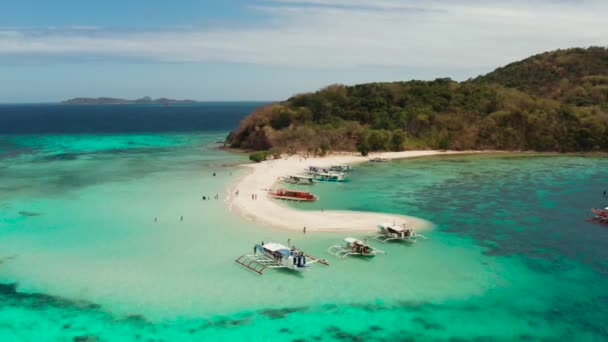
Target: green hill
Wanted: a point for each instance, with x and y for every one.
(555, 101)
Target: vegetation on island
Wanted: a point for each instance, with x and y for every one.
(555, 101)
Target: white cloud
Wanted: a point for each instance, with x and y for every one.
(339, 33)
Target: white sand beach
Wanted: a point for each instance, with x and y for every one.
(266, 210)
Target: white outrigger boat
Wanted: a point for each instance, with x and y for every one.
(317, 169)
(330, 177)
(299, 179)
(276, 255)
(390, 232)
(340, 168)
(354, 247)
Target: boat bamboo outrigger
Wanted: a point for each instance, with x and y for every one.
(292, 195)
(389, 232)
(276, 255)
(330, 177)
(354, 247)
(601, 216)
(298, 179)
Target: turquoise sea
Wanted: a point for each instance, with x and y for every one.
(82, 258)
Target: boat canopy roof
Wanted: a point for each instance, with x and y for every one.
(353, 240)
(276, 247)
(330, 174)
(301, 176)
(394, 227)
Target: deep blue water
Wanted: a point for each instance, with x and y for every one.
(77, 119)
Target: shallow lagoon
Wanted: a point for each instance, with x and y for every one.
(510, 258)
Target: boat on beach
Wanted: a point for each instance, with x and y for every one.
(276, 255)
(292, 195)
(378, 160)
(317, 169)
(341, 168)
(298, 179)
(391, 232)
(354, 247)
(330, 177)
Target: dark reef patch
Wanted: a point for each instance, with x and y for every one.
(29, 213)
(61, 156)
(427, 325)
(39, 301)
(281, 313)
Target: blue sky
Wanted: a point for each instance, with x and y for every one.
(270, 49)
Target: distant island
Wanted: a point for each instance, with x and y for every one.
(555, 101)
(114, 101)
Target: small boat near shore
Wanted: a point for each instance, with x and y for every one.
(391, 232)
(276, 255)
(317, 169)
(354, 247)
(292, 195)
(341, 168)
(330, 177)
(298, 179)
(379, 160)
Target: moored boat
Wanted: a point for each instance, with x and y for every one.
(299, 179)
(330, 177)
(317, 169)
(340, 168)
(378, 160)
(390, 231)
(354, 247)
(276, 255)
(293, 195)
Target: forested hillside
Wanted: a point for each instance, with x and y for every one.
(555, 101)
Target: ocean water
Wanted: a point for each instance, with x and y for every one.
(81, 255)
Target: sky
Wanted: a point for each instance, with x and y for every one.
(237, 50)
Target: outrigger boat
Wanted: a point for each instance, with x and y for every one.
(276, 255)
(601, 216)
(292, 195)
(317, 169)
(299, 179)
(389, 232)
(330, 177)
(600, 212)
(341, 168)
(378, 160)
(354, 247)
